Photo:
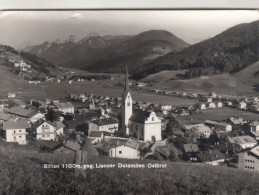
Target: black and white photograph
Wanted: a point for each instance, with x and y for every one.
(129, 101)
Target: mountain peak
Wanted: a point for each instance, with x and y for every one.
(93, 34)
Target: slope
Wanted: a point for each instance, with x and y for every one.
(110, 53)
(244, 82)
(230, 51)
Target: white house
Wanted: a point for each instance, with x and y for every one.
(200, 130)
(65, 107)
(211, 157)
(242, 105)
(128, 150)
(59, 127)
(11, 95)
(35, 116)
(249, 160)
(219, 104)
(211, 105)
(109, 125)
(244, 141)
(219, 125)
(202, 106)
(96, 136)
(254, 129)
(15, 131)
(45, 131)
(166, 107)
(209, 100)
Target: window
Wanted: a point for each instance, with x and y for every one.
(20, 136)
(20, 130)
(152, 118)
(128, 104)
(48, 135)
(120, 152)
(43, 135)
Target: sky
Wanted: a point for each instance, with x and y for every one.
(24, 28)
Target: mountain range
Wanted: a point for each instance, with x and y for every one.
(229, 52)
(109, 53)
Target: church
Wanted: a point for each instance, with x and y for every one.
(139, 124)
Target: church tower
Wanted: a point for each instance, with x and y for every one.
(126, 106)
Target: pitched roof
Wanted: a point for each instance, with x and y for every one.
(58, 124)
(190, 147)
(235, 121)
(255, 151)
(64, 105)
(20, 124)
(17, 110)
(254, 123)
(222, 124)
(132, 144)
(95, 134)
(89, 148)
(72, 145)
(198, 127)
(40, 122)
(211, 156)
(139, 116)
(244, 139)
(4, 116)
(105, 121)
(163, 150)
(33, 114)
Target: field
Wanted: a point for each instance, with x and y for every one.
(218, 114)
(23, 173)
(243, 83)
(24, 90)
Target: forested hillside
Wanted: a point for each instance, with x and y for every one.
(230, 51)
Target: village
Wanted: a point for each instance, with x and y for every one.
(119, 127)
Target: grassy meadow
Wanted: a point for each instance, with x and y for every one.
(22, 172)
(218, 114)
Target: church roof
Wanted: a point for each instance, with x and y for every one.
(139, 116)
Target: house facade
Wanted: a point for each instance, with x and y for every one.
(219, 125)
(200, 130)
(145, 126)
(34, 117)
(45, 131)
(249, 160)
(254, 129)
(66, 108)
(129, 150)
(109, 125)
(15, 131)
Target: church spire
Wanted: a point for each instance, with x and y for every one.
(126, 80)
(126, 86)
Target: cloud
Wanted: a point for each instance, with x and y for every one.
(75, 15)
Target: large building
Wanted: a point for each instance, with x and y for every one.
(15, 131)
(249, 160)
(140, 124)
